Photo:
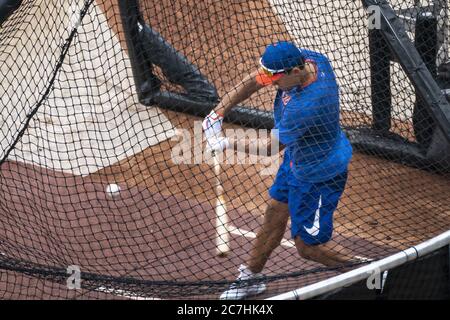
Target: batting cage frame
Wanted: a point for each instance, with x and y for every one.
(100, 198)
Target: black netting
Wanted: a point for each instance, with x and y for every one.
(98, 92)
(423, 279)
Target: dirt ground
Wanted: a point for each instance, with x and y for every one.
(387, 203)
(162, 225)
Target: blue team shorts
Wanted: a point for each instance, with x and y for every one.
(311, 205)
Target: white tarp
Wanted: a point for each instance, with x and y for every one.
(92, 117)
(339, 30)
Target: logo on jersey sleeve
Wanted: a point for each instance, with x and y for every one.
(285, 98)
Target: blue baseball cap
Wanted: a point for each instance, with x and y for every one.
(281, 56)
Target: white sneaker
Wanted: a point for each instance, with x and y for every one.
(238, 291)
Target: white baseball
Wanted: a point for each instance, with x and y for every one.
(113, 189)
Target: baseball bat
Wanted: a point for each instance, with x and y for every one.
(222, 220)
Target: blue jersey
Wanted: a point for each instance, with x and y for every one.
(307, 119)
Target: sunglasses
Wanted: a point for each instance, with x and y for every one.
(272, 72)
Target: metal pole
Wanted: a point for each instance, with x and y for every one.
(356, 275)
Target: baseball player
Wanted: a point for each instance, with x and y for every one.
(313, 174)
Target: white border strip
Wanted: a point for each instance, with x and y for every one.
(249, 234)
(364, 272)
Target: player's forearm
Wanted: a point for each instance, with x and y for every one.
(242, 91)
(268, 147)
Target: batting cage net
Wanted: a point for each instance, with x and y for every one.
(107, 190)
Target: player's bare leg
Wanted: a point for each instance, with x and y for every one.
(267, 239)
(329, 254)
(270, 234)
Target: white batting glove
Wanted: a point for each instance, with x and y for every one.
(212, 125)
(217, 144)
